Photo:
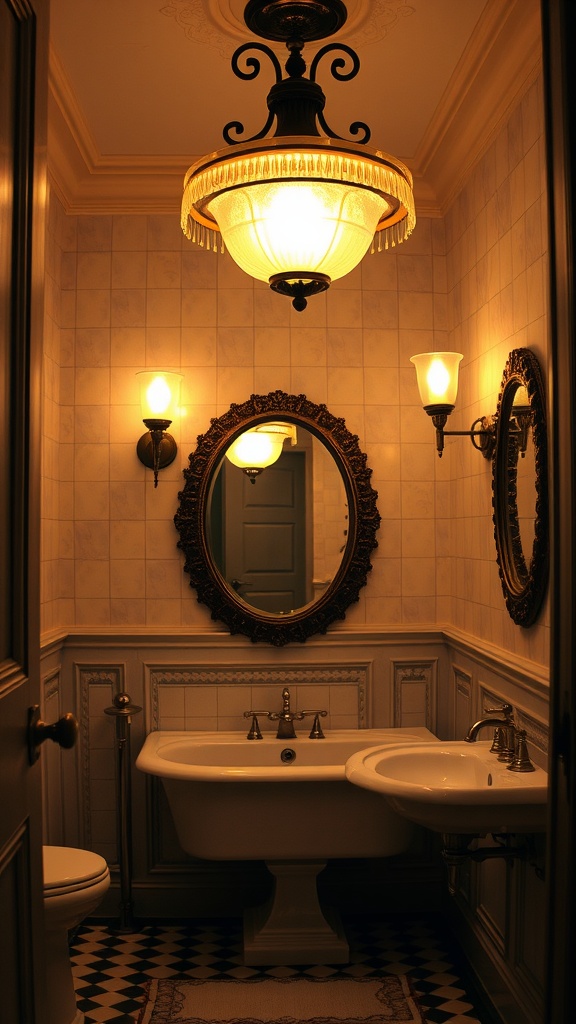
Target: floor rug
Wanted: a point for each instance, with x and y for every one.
(384, 1000)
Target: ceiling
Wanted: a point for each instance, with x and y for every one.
(141, 88)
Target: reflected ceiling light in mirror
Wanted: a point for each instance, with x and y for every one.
(437, 375)
(159, 402)
(260, 447)
(301, 208)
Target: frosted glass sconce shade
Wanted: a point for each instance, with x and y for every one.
(159, 402)
(437, 375)
(159, 394)
(260, 447)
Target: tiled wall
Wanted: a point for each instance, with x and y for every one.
(129, 292)
(135, 293)
(497, 267)
(51, 453)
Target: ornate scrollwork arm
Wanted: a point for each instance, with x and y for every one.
(354, 129)
(337, 71)
(254, 64)
(338, 64)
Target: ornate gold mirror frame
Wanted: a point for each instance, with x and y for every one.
(192, 521)
(521, 432)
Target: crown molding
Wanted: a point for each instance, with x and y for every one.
(87, 182)
(501, 61)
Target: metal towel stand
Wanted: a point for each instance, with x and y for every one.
(122, 710)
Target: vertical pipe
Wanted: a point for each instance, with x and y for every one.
(122, 710)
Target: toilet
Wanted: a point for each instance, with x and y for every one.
(75, 882)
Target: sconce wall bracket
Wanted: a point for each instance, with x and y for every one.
(156, 449)
(482, 433)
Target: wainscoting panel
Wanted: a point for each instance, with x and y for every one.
(415, 687)
(96, 687)
(498, 911)
(462, 702)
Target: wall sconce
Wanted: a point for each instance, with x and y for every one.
(260, 447)
(437, 374)
(159, 401)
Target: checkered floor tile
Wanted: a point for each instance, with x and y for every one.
(111, 969)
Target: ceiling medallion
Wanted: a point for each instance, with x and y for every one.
(290, 19)
(299, 208)
(217, 23)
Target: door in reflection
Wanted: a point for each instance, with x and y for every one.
(264, 551)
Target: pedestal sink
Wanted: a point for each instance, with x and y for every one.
(286, 802)
(453, 787)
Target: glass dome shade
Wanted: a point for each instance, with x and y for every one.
(297, 227)
(254, 450)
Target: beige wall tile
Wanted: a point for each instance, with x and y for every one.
(126, 292)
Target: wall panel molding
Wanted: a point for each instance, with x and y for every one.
(414, 689)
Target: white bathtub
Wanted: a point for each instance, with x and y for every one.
(236, 799)
(286, 802)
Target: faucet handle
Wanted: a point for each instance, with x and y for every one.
(316, 730)
(506, 709)
(521, 761)
(498, 743)
(254, 731)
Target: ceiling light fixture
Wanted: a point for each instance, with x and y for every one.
(260, 447)
(301, 208)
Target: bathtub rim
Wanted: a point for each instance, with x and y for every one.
(151, 762)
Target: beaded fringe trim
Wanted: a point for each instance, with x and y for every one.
(200, 185)
(206, 238)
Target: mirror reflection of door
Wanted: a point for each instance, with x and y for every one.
(526, 498)
(265, 551)
(524, 467)
(279, 542)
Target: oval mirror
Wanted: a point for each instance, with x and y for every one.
(520, 487)
(277, 543)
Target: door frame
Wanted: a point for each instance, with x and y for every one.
(23, 282)
(558, 30)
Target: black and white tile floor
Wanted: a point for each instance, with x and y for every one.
(111, 970)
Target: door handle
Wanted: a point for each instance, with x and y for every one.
(64, 732)
(236, 584)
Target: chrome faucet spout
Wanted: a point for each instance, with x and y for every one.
(472, 734)
(505, 741)
(285, 718)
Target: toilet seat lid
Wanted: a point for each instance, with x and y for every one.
(66, 867)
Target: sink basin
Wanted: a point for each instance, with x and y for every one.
(453, 787)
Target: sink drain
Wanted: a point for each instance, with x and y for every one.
(288, 755)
